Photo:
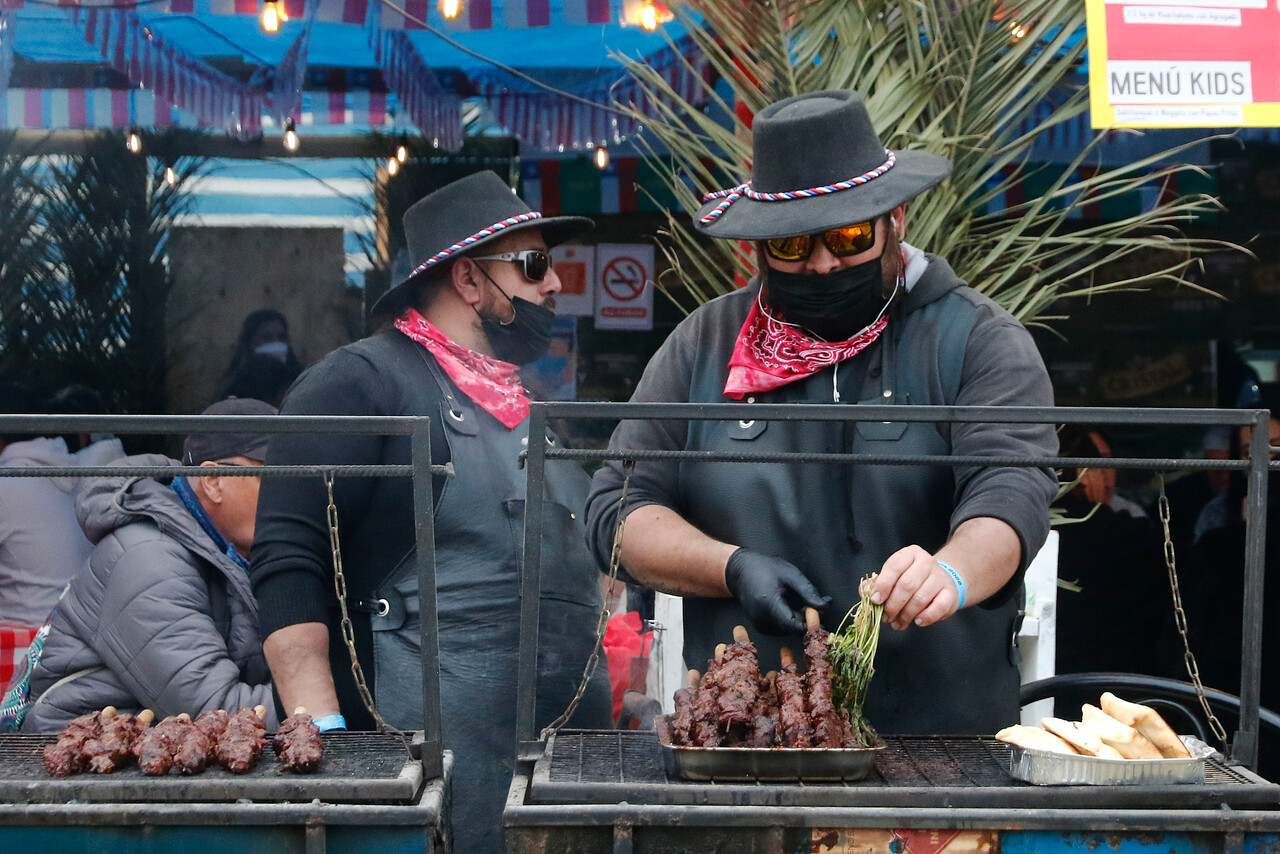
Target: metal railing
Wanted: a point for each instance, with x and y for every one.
(420, 469)
(1244, 746)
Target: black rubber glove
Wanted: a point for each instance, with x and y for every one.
(771, 591)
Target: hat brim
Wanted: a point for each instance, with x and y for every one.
(747, 219)
(555, 230)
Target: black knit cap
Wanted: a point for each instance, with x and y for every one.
(211, 447)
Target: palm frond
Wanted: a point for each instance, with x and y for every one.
(976, 82)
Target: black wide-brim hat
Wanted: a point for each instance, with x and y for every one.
(820, 153)
(464, 215)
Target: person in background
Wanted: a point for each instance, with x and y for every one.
(41, 544)
(263, 363)
(1115, 622)
(161, 616)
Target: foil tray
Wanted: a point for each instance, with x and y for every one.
(763, 764)
(1055, 769)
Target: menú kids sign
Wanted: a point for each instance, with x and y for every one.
(1184, 63)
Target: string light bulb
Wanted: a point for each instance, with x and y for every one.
(402, 154)
(170, 177)
(1018, 30)
(271, 16)
(602, 157)
(291, 141)
(649, 16)
(134, 141)
(450, 9)
(393, 166)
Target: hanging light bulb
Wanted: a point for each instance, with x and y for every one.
(602, 157)
(291, 141)
(402, 154)
(393, 166)
(134, 141)
(649, 16)
(450, 8)
(271, 16)
(170, 177)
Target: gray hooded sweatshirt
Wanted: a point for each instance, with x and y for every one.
(159, 618)
(41, 545)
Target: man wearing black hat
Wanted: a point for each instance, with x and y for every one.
(843, 311)
(476, 307)
(161, 616)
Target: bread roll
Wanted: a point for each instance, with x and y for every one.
(1034, 738)
(1128, 741)
(1147, 721)
(1081, 738)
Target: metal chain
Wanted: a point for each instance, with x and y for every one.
(1180, 620)
(348, 630)
(615, 559)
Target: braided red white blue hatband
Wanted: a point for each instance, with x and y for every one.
(732, 194)
(479, 235)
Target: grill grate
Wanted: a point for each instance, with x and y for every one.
(358, 767)
(971, 771)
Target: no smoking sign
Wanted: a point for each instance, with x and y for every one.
(624, 299)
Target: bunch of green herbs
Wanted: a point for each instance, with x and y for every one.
(853, 655)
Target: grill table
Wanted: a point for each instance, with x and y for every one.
(607, 791)
(368, 794)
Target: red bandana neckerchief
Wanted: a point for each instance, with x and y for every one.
(769, 353)
(492, 383)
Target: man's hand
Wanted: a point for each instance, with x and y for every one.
(771, 591)
(915, 589)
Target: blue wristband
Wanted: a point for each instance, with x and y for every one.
(331, 722)
(955, 576)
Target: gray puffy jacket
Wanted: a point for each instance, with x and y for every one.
(158, 618)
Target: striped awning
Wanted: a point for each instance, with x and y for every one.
(475, 14)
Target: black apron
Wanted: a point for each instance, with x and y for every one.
(838, 523)
(479, 526)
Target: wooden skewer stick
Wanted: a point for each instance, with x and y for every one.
(184, 717)
(692, 678)
(720, 648)
(260, 711)
(108, 713)
(785, 655)
(146, 716)
(300, 710)
(740, 635)
(811, 619)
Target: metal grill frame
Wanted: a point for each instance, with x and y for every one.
(344, 777)
(417, 428)
(1244, 742)
(969, 772)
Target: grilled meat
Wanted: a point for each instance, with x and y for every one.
(830, 725)
(297, 744)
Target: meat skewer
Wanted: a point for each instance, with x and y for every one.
(112, 748)
(764, 714)
(793, 714)
(830, 727)
(241, 743)
(156, 749)
(213, 722)
(682, 718)
(738, 679)
(706, 719)
(297, 743)
(67, 756)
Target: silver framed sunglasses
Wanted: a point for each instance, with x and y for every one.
(536, 262)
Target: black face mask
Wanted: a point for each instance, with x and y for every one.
(523, 339)
(834, 306)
